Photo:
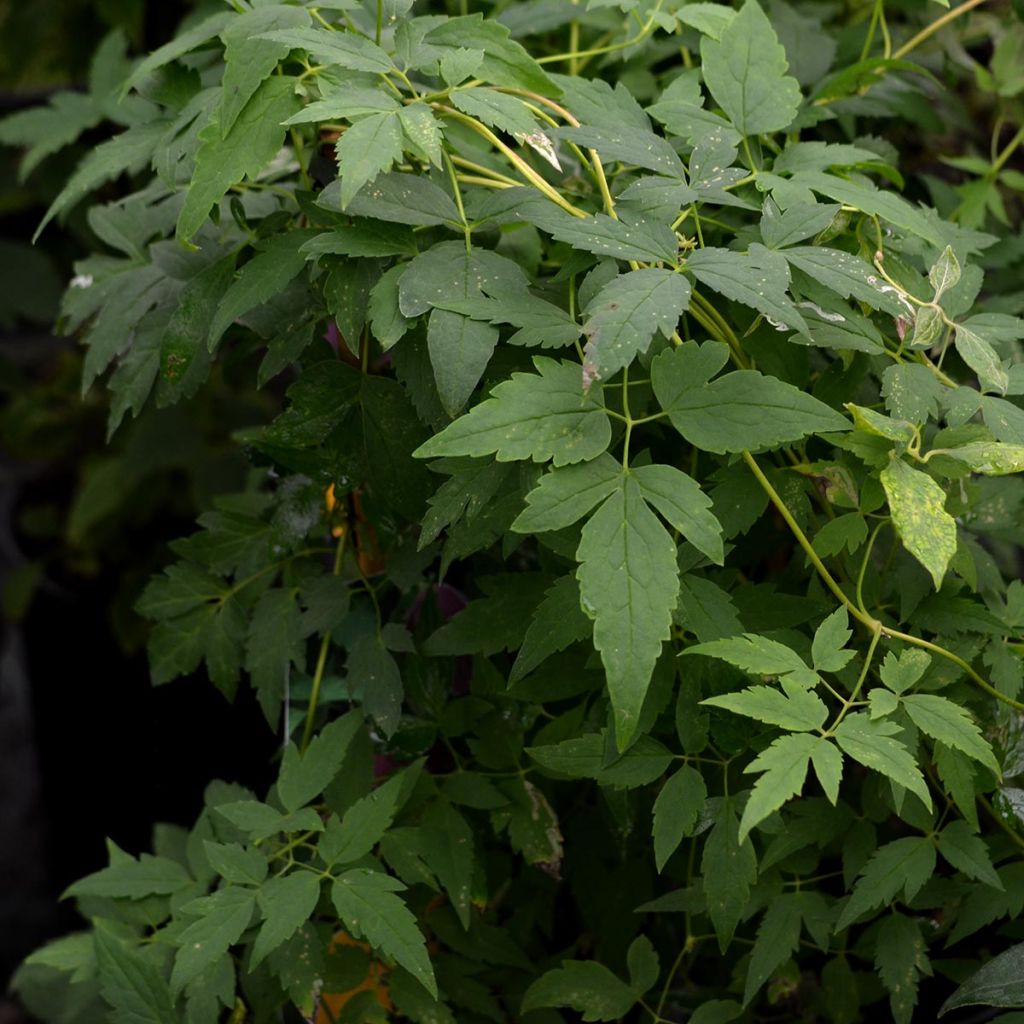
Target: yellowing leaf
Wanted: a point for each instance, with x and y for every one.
(917, 504)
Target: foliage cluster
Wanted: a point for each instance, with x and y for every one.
(630, 571)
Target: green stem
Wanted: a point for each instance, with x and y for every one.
(930, 30)
(380, 22)
(574, 55)
(466, 229)
(1011, 147)
(864, 565)
(325, 646)
(868, 658)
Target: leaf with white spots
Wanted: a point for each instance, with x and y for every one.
(222, 919)
(918, 507)
(624, 316)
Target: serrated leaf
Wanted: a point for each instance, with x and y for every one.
(375, 677)
(344, 49)
(248, 59)
(128, 878)
(968, 853)
(446, 844)
(949, 723)
(422, 132)
(778, 938)
(305, 776)
(362, 826)
(497, 109)
(236, 863)
(901, 673)
(745, 71)
(368, 907)
(847, 275)
(676, 811)
(287, 903)
(742, 410)
(902, 865)
(565, 495)
(874, 745)
(538, 416)
(917, 504)
(224, 916)
(622, 319)
(132, 985)
(758, 655)
(729, 869)
(397, 197)
(784, 764)
(828, 650)
(368, 148)
(584, 986)
(628, 585)
(274, 644)
(900, 958)
(557, 623)
(687, 508)
(758, 278)
(224, 160)
(630, 146)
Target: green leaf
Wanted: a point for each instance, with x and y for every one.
(184, 356)
(687, 508)
(900, 958)
(364, 823)
(918, 507)
(276, 264)
(586, 757)
(563, 496)
(104, 163)
(989, 457)
(901, 673)
(798, 221)
(369, 909)
(643, 964)
(968, 853)
(778, 938)
(397, 197)
(784, 764)
(848, 276)
(368, 147)
(758, 655)
(949, 723)
(377, 679)
(628, 585)
(446, 844)
(131, 984)
(236, 863)
(902, 865)
(676, 811)
(799, 710)
(531, 416)
(274, 644)
(743, 410)
(944, 273)
(873, 745)
(127, 878)
(422, 132)
(630, 146)
(585, 986)
(828, 650)
(344, 49)
(624, 316)
(222, 919)
(977, 352)
(287, 903)
(497, 109)
(248, 59)
(557, 623)
(182, 43)
(729, 868)
(505, 62)
(999, 983)
(645, 240)
(224, 160)
(758, 278)
(745, 72)
(305, 776)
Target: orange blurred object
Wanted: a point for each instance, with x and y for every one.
(373, 982)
